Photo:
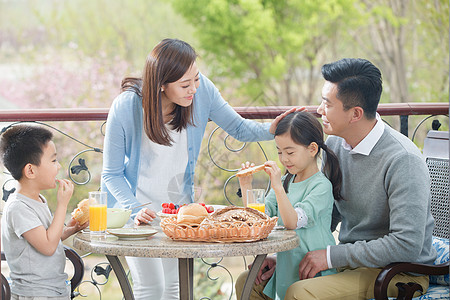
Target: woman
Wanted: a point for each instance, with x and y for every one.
(153, 135)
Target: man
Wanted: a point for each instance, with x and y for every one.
(385, 216)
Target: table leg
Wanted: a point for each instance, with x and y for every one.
(121, 277)
(186, 276)
(257, 263)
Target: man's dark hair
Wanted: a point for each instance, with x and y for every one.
(21, 145)
(358, 82)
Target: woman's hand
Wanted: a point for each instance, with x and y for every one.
(144, 216)
(274, 172)
(267, 269)
(277, 120)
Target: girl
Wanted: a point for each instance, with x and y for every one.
(302, 199)
(152, 142)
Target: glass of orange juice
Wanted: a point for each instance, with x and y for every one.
(256, 199)
(97, 213)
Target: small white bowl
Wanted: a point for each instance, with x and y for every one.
(117, 217)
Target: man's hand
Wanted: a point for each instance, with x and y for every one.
(267, 269)
(275, 122)
(312, 263)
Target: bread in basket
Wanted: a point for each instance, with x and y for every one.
(229, 224)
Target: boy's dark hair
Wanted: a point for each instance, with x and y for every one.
(305, 129)
(358, 82)
(21, 145)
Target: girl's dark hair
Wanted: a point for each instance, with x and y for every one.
(21, 145)
(167, 63)
(305, 129)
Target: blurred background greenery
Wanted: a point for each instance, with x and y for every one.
(74, 54)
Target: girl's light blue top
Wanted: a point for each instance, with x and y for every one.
(122, 143)
(315, 196)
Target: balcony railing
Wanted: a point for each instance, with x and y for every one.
(403, 110)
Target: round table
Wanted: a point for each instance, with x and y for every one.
(159, 245)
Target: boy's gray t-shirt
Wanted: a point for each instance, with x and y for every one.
(32, 273)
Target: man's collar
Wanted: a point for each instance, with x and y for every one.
(366, 145)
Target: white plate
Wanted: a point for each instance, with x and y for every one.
(132, 233)
(164, 215)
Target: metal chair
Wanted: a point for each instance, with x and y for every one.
(436, 153)
(78, 266)
(6, 291)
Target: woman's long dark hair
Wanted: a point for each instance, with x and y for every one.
(167, 63)
(305, 129)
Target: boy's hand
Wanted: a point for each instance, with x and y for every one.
(274, 172)
(65, 191)
(73, 226)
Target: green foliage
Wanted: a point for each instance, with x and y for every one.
(108, 28)
(208, 287)
(266, 43)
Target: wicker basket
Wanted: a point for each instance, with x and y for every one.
(221, 232)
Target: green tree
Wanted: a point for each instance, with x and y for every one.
(273, 47)
(408, 40)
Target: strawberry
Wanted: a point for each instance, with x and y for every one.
(171, 205)
(165, 205)
(166, 210)
(210, 209)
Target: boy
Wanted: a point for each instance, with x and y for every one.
(31, 237)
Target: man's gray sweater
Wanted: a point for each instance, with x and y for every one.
(385, 213)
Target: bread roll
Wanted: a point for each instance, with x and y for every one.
(250, 171)
(191, 214)
(81, 213)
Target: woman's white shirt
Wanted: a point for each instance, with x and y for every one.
(161, 170)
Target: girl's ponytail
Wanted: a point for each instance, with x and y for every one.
(332, 171)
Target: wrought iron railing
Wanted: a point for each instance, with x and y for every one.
(403, 110)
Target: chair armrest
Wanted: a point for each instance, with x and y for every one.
(388, 272)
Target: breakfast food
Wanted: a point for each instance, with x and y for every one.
(226, 225)
(81, 213)
(192, 214)
(250, 171)
(235, 213)
(172, 209)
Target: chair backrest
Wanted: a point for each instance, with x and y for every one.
(6, 292)
(78, 266)
(436, 153)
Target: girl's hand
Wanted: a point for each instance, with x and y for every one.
(274, 172)
(65, 191)
(144, 216)
(246, 181)
(277, 120)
